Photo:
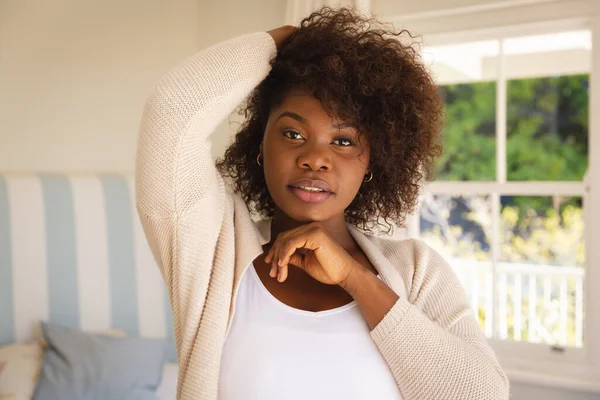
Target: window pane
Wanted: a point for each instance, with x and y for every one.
(469, 133)
(547, 106)
(459, 228)
(540, 271)
(466, 74)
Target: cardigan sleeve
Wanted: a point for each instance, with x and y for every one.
(432, 342)
(174, 166)
(182, 201)
(176, 180)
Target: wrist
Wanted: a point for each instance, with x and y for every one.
(356, 277)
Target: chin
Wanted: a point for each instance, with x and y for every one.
(306, 215)
(303, 212)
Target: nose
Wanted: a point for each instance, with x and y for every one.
(314, 158)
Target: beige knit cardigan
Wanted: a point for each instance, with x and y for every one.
(203, 238)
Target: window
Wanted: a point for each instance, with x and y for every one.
(509, 206)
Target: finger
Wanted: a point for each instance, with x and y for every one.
(288, 248)
(297, 260)
(278, 256)
(283, 273)
(271, 252)
(273, 260)
(273, 271)
(269, 255)
(273, 255)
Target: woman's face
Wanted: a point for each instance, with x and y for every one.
(313, 163)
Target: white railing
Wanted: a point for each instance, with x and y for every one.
(536, 303)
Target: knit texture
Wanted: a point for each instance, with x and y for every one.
(203, 238)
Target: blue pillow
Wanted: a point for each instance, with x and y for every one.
(79, 365)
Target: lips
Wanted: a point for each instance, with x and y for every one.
(311, 191)
(311, 185)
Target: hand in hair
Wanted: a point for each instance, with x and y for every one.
(280, 34)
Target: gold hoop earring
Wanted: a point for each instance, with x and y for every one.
(370, 178)
(258, 159)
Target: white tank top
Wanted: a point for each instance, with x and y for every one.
(274, 351)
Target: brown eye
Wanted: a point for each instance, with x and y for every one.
(292, 135)
(343, 142)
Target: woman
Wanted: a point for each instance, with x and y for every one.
(342, 123)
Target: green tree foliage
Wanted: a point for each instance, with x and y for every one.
(469, 132)
(547, 126)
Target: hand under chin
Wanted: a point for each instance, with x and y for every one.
(302, 251)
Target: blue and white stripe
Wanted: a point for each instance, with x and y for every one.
(72, 252)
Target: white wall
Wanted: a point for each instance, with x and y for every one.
(74, 74)
(410, 7)
(220, 20)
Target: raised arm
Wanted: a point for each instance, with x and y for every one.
(176, 178)
(174, 167)
(181, 199)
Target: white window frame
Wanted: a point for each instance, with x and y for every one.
(577, 368)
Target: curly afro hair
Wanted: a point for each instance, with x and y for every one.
(368, 75)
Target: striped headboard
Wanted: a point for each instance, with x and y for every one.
(73, 252)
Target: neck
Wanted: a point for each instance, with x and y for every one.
(335, 226)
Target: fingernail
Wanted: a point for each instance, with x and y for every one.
(272, 272)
